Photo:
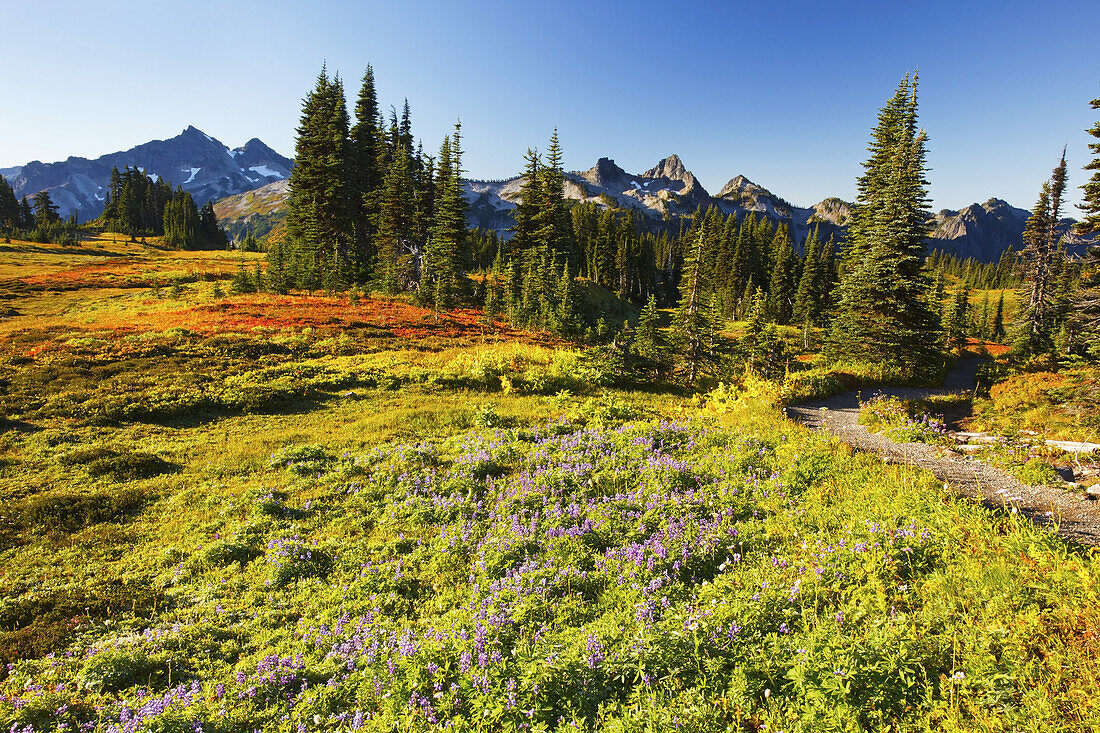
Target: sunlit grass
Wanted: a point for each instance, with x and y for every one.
(206, 502)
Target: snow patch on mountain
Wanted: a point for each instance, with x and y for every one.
(266, 172)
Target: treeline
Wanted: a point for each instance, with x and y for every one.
(37, 222)
(975, 274)
(137, 205)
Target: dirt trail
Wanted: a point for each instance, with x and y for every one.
(1077, 518)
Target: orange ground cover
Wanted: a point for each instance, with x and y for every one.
(404, 320)
(973, 346)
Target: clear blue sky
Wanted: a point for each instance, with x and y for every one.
(782, 92)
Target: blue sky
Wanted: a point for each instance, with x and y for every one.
(784, 93)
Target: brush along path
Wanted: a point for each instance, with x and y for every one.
(1075, 516)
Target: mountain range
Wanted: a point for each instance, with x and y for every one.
(249, 187)
(193, 160)
(668, 190)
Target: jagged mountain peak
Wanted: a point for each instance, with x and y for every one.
(604, 173)
(738, 184)
(671, 168)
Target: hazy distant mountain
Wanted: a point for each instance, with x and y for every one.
(985, 231)
(668, 190)
(198, 163)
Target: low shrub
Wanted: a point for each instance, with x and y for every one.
(69, 511)
(290, 559)
(115, 463)
(901, 420)
(1036, 472)
(303, 460)
(112, 670)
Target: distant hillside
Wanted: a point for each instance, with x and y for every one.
(260, 211)
(201, 165)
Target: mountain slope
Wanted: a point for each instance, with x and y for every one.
(201, 165)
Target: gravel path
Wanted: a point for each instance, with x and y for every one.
(1077, 518)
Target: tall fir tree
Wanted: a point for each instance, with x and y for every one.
(1091, 204)
(397, 245)
(365, 140)
(782, 281)
(648, 345)
(318, 212)
(957, 320)
(1085, 304)
(997, 329)
(181, 221)
(444, 255)
(9, 207)
(807, 300)
(694, 331)
(883, 314)
(45, 211)
(527, 231)
(554, 221)
(1040, 262)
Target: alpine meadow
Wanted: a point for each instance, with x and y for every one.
(356, 441)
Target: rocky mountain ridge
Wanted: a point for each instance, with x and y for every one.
(666, 190)
(660, 195)
(193, 160)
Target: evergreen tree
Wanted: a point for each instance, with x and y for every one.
(648, 346)
(781, 284)
(278, 280)
(45, 211)
(526, 229)
(26, 214)
(807, 301)
(181, 223)
(694, 331)
(365, 141)
(1091, 204)
(211, 235)
(492, 293)
(568, 316)
(318, 221)
(554, 220)
(883, 314)
(957, 320)
(983, 319)
(396, 227)
(997, 330)
(9, 207)
(443, 256)
(1085, 310)
(1039, 255)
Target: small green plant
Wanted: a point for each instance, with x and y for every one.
(290, 559)
(303, 460)
(1036, 472)
(112, 670)
(486, 416)
(901, 421)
